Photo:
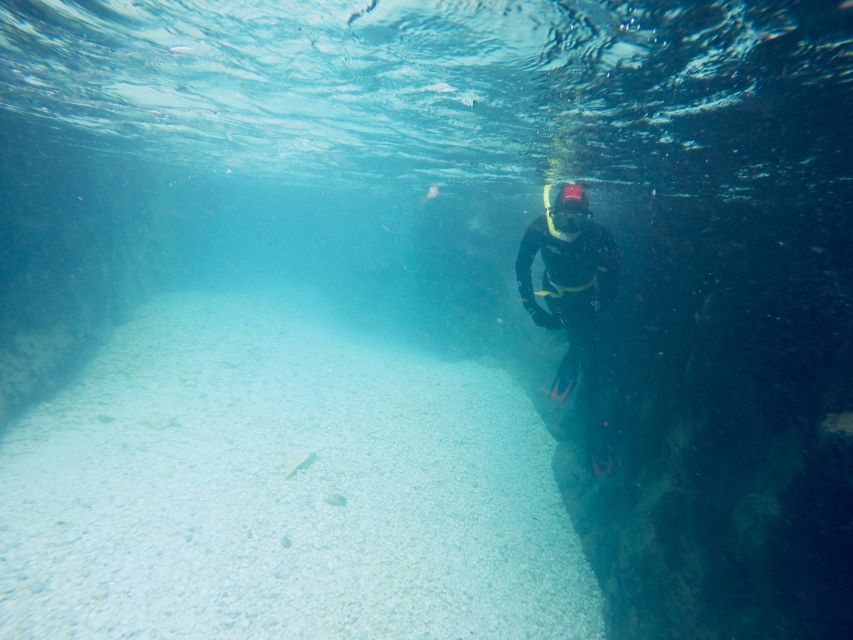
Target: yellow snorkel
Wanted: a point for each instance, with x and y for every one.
(546, 197)
(559, 291)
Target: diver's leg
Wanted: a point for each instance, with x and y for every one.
(567, 373)
(586, 336)
(598, 431)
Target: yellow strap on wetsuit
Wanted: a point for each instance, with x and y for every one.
(561, 291)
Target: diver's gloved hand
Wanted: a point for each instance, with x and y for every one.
(544, 319)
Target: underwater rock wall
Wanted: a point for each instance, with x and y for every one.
(729, 512)
(78, 250)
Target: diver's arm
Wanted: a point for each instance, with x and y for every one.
(527, 251)
(531, 243)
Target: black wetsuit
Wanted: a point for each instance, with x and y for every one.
(569, 264)
(589, 268)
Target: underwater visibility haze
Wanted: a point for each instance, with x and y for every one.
(269, 366)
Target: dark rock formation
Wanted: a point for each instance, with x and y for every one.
(730, 513)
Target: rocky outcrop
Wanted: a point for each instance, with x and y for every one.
(728, 515)
(28, 363)
(80, 248)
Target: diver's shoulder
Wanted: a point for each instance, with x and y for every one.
(539, 224)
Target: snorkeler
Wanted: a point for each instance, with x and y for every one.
(581, 278)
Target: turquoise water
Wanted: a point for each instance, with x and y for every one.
(392, 100)
(238, 234)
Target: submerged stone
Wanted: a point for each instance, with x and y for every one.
(335, 499)
(296, 460)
